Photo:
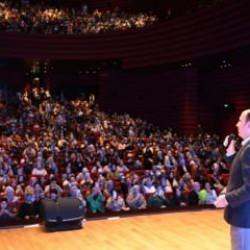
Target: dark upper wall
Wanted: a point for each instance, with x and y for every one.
(169, 96)
(207, 32)
(183, 97)
(220, 86)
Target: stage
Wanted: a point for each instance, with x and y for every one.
(202, 230)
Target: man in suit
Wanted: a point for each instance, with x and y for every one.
(236, 199)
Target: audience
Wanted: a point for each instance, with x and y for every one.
(34, 17)
(108, 162)
(51, 20)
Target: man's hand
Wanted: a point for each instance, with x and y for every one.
(221, 201)
(230, 149)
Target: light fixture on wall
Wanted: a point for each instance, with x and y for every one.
(225, 64)
(186, 65)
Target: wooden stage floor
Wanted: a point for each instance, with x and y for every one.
(202, 230)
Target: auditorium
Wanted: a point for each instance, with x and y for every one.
(125, 124)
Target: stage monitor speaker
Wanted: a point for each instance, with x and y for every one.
(63, 214)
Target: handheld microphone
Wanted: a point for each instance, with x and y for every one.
(228, 140)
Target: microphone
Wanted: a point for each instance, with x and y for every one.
(228, 140)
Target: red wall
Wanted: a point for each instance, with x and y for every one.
(180, 98)
(168, 98)
(224, 86)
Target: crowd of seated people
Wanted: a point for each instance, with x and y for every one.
(52, 148)
(21, 16)
(48, 20)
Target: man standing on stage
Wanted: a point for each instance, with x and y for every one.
(236, 199)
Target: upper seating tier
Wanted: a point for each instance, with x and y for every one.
(210, 31)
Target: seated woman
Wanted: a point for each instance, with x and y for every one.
(53, 185)
(39, 168)
(96, 200)
(27, 209)
(207, 195)
(116, 203)
(211, 194)
(108, 187)
(38, 196)
(5, 212)
(179, 199)
(12, 200)
(158, 199)
(135, 198)
(53, 195)
(9, 194)
(148, 187)
(75, 192)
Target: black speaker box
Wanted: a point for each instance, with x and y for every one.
(63, 214)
